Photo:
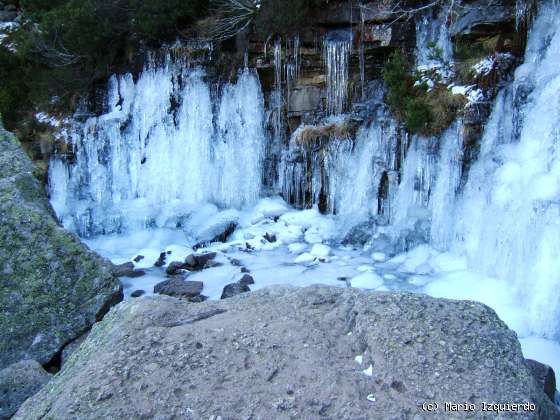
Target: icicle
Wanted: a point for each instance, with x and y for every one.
(337, 47)
(156, 152)
(362, 55)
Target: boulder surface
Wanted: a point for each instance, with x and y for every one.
(52, 287)
(17, 383)
(285, 353)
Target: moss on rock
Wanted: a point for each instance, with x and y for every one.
(52, 287)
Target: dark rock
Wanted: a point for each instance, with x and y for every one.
(421, 349)
(223, 236)
(245, 270)
(123, 270)
(235, 262)
(52, 286)
(179, 288)
(544, 375)
(136, 274)
(161, 260)
(360, 234)
(137, 293)
(175, 267)
(270, 237)
(18, 382)
(484, 18)
(198, 262)
(246, 280)
(203, 259)
(127, 270)
(191, 261)
(138, 258)
(7, 16)
(234, 289)
(219, 229)
(212, 264)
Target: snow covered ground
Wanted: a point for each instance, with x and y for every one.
(307, 251)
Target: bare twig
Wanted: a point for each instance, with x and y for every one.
(232, 17)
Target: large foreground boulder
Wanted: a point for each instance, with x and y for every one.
(52, 287)
(17, 383)
(286, 353)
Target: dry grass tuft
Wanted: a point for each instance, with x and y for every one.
(314, 135)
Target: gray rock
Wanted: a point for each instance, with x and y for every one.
(127, 270)
(289, 353)
(71, 347)
(124, 269)
(270, 237)
(161, 260)
(179, 288)
(19, 382)
(198, 262)
(203, 259)
(359, 234)
(234, 289)
(218, 229)
(484, 17)
(191, 261)
(138, 293)
(304, 99)
(246, 280)
(53, 288)
(545, 377)
(175, 267)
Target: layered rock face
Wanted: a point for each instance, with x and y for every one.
(310, 353)
(52, 287)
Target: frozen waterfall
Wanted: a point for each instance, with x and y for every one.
(170, 143)
(508, 219)
(337, 46)
(161, 148)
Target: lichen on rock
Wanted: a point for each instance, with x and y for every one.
(281, 352)
(52, 287)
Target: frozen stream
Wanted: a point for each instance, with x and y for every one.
(173, 159)
(296, 259)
